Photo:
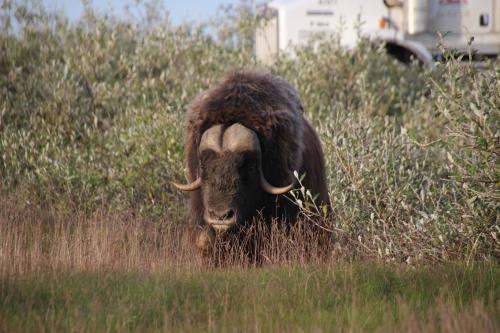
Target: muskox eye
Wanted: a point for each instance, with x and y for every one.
(249, 164)
(203, 172)
(250, 169)
(206, 156)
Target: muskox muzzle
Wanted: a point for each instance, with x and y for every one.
(231, 177)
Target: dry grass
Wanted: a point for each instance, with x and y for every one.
(34, 239)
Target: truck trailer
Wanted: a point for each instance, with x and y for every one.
(410, 29)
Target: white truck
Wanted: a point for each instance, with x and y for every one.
(409, 28)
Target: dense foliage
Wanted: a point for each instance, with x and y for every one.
(91, 117)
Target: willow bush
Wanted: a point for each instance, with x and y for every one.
(91, 117)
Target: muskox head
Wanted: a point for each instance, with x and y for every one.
(231, 179)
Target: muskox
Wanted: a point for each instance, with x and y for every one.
(244, 139)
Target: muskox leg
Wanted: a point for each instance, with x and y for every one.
(240, 246)
(205, 240)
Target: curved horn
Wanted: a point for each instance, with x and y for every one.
(189, 187)
(272, 189)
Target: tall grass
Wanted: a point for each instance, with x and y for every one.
(36, 240)
(119, 272)
(91, 122)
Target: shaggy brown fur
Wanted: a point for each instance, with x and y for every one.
(271, 107)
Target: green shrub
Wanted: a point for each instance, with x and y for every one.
(91, 116)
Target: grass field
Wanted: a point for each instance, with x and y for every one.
(121, 273)
(93, 234)
(351, 298)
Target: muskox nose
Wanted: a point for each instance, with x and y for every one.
(221, 215)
